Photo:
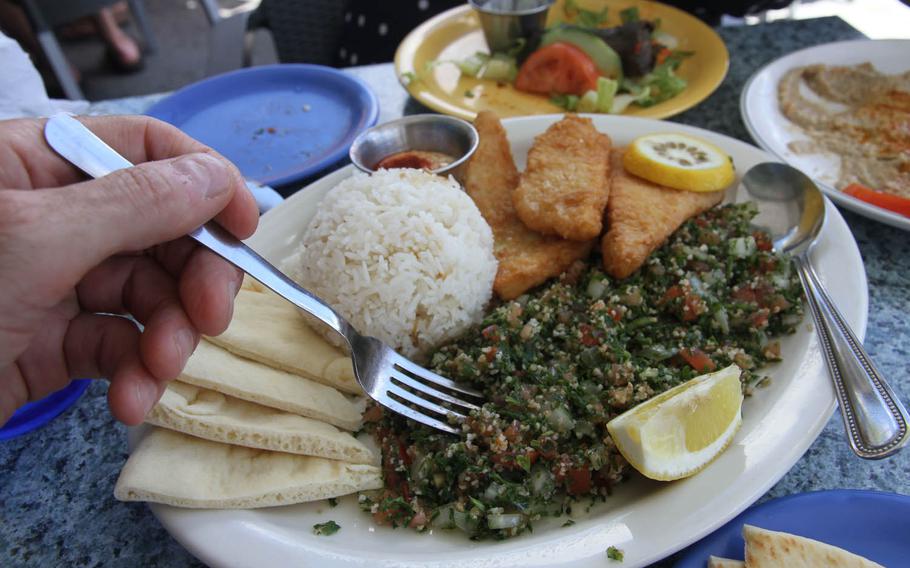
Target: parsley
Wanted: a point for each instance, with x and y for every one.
(629, 15)
(327, 528)
(614, 553)
(524, 461)
(333, 502)
(585, 18)
(408, 77)
(469, 93)
(568, 523)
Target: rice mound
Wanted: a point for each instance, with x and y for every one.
(403, 255)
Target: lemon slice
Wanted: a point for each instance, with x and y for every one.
(679, 161)
(680, 431)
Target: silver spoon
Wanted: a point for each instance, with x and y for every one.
(793, 212)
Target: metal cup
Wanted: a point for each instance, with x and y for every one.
(504, 22)
(428, 132)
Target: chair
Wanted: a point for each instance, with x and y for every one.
(44, 15)
(303, 31)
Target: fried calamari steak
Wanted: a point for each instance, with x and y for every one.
(565, 187)
(526, 258)
(641, 215)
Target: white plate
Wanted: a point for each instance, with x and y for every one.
(647, 520)
(773, 131)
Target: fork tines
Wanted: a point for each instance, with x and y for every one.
(428, 398)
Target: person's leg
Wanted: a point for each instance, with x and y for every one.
(124, 50)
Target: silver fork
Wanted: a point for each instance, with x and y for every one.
(388, 378)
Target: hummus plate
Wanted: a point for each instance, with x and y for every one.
(774, 132)
(647, 520)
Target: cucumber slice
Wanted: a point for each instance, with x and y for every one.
(604, 57)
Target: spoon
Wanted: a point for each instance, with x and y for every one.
(793, 213)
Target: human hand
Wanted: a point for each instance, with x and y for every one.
(72, 252)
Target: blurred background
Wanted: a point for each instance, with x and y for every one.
(192, 39)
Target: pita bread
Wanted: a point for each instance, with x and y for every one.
(718, 562)
(771, 549)
(268, 329)
(184, 471)
(251, 284)
(220, 418)
(214, 368)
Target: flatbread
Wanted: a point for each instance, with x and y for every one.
(214, 368)
(718, 562)
(771, 549)
(185, 471)
(221, 418)
(270, 330)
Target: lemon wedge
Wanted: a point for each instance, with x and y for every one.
(679, 161)
(680, 431)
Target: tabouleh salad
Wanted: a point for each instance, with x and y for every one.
(560, 362)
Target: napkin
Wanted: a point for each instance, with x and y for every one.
(22, 91)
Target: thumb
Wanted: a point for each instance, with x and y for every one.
(154, 202)
(64, 232)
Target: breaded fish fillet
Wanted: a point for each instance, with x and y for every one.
(641, 215)
(526, 258)
(565, 187)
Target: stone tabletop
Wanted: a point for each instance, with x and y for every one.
(56, 486)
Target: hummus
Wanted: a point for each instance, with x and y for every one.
(857, 113)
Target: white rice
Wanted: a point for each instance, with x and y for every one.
(404, 255)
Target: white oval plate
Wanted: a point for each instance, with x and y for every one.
(773, 131)
(647, 520)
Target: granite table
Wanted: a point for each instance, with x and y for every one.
(56, 484)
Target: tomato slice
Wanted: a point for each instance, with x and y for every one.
(697, 359)
(881, 199)
(559, 68)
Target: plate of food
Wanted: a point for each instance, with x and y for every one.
(843, 527)
(844, 124)
(576, 342)
(636, 57)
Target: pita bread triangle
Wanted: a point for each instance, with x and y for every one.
(220, 418)
(772, 549)
(185, 471)
(268, 329)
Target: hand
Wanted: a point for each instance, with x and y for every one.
(73, 252)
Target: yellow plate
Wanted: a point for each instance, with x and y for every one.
(456, 34)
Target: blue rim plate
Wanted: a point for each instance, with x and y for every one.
(36, 414)
(869, 523)
(278, 123)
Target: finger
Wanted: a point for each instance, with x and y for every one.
(208, 286)
(13, 392)
(141, 287)
(64, 232)
(142, 139)
(108, 346)
(28, 162)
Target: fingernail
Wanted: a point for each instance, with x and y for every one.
(185, 342)
(204, 174)
(146, 395)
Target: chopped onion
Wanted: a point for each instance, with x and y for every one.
(504, 520)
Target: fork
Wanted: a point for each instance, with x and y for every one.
(393, 381)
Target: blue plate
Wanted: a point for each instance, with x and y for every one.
(868, 523)
(278, 123)
(36, 414)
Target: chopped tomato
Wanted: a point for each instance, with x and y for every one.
(578, 481)
(697, 359)
(881, 199)
(373, 414)
(694, 306)
(662, 55)
(559, 68)
(672, 293)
